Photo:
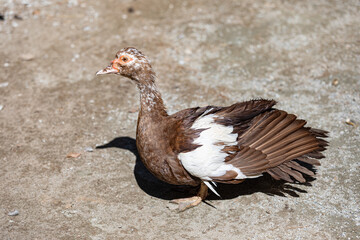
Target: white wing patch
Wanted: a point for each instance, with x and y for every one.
(207, 161)
(208, 184)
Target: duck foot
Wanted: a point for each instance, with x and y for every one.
(186, 203)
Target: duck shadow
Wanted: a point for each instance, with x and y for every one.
(159, 189)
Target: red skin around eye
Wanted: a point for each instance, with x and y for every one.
(120, 61)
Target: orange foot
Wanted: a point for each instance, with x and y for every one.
(186, 203)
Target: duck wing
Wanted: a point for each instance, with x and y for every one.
(244, 140)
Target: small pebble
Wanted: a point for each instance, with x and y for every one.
(335, 82)
(1, 107)
(2, 18)
(89, 149)
(4, 84)
(13, 213)
(188, 51)
(27, 56)
(68, 205)
(17, 17)
(130, 10)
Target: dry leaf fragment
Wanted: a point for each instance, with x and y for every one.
(133, 110)
(348, 121)
(36, 12)
(73, 155)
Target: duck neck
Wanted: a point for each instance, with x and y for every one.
(151, 102)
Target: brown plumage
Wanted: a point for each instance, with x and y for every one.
(204, 145)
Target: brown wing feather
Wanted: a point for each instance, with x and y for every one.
(240, 112)
(269, 140)
(299, 168)
(271, 143)
(236, 114)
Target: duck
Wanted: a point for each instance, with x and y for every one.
(203, 146)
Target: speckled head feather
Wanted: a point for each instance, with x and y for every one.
(130, 62)
(131, 51)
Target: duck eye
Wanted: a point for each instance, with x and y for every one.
(124, 59)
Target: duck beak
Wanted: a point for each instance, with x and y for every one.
(108, 70)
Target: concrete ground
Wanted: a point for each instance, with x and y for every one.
(304, 54)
